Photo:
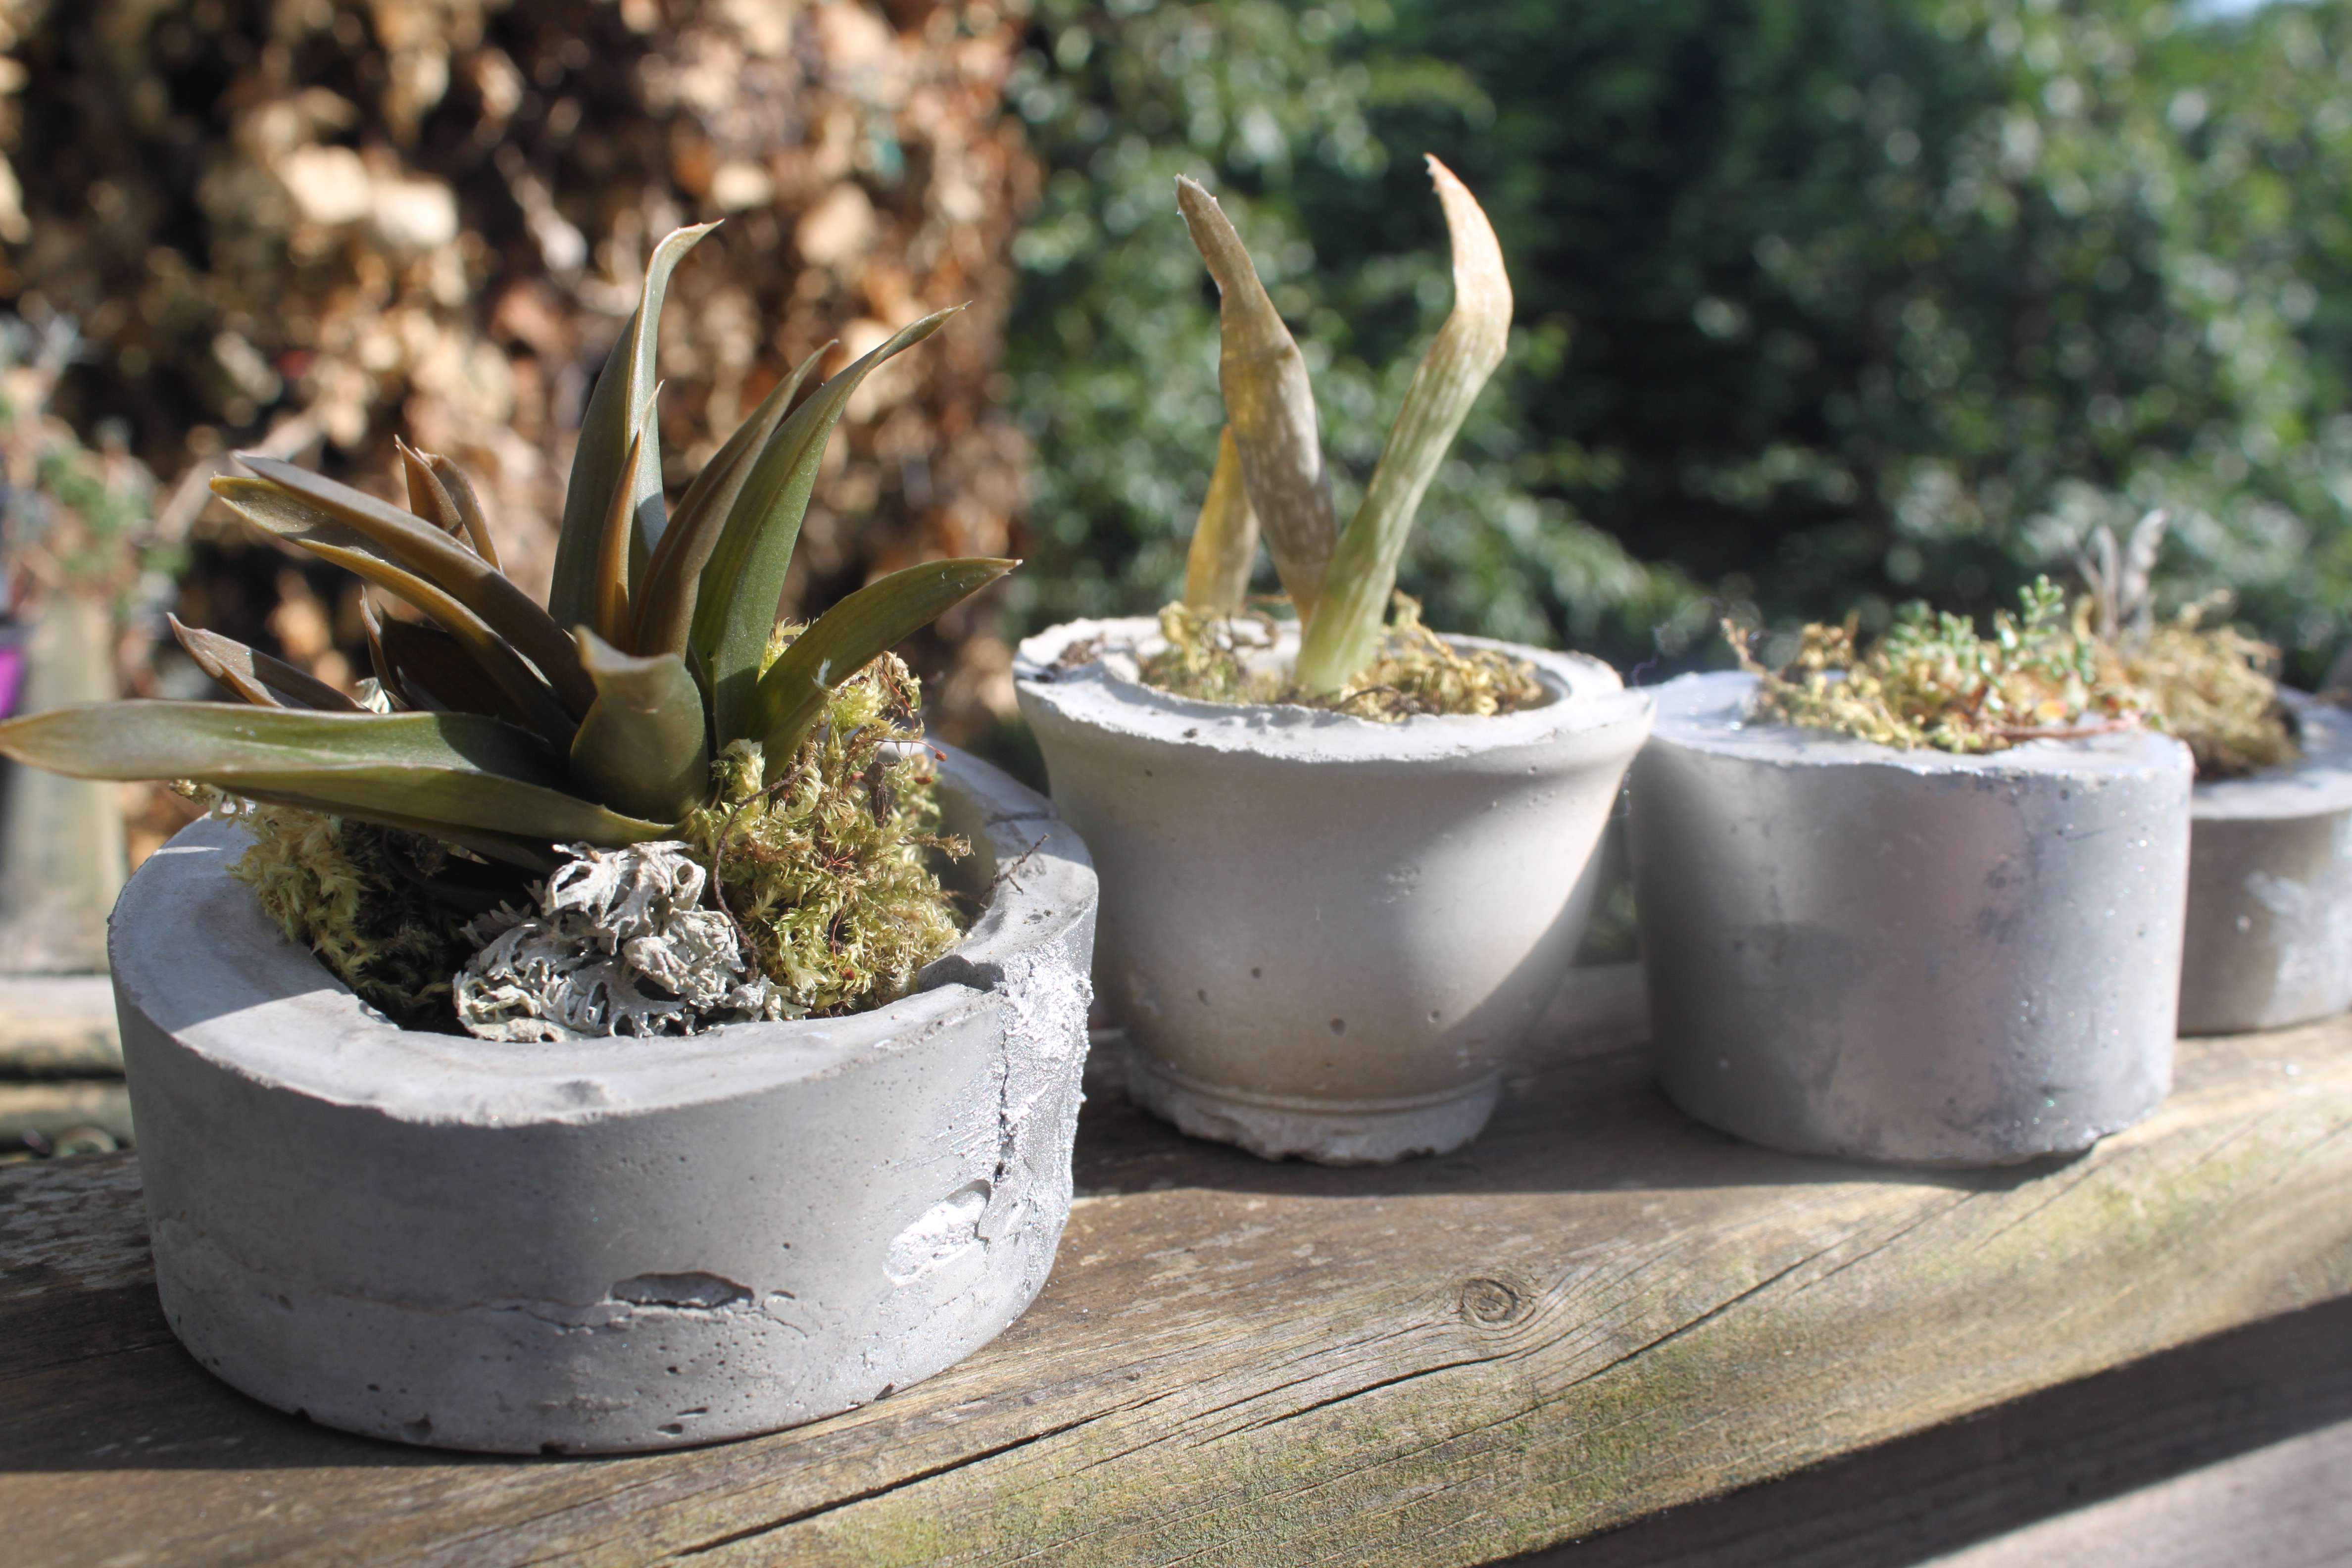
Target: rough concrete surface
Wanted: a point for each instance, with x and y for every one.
(2269, 935)
(1323, 933)
(1907, 955)
(614, 1244)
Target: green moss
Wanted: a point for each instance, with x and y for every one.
(354, 893)
(827, 865)
(1932, 680)
(1209, 656)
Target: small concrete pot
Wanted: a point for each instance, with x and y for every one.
(1907, 955)
(608, 1244)
(2269, 887)
(1324, 934)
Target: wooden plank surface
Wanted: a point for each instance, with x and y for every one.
(1596, 1312)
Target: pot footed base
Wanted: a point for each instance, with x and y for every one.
(1329, 1132)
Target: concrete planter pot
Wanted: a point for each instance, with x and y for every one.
(1907, 955)
(2270, 887)
(1324, 935)
(608, 1244)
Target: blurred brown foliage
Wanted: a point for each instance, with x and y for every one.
(330, 221)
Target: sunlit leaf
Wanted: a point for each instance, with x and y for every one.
(664, 605)
(1224, 542)
(644, 748)
(429, 771)
(743, 580)
(260, 679)
(792, 695)
(1269, 407)
(532, 700)
(617, 411)
(286, 501)
(1344, 634)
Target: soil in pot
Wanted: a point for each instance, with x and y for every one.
(606, 1245)
(1907, 955)
(2269, 937)
(1325, 935)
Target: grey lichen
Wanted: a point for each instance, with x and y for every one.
(618, 943)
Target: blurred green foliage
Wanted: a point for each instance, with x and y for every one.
(1821, 306)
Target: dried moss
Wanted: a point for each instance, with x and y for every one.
(354, 894)
(2044, 672)
(828, 864)
(2217, 689)
(1215, 659)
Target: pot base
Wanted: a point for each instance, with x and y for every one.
(1328, 1133)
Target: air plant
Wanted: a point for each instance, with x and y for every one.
(1270, 474)
(515, 729)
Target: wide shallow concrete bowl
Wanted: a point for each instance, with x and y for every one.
(1906, 956)
(607, 1245)
(1324, 934)
(2269, 887)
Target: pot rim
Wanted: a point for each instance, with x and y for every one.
(267, 1009)
(1109, 694)
(1708, 711)
(2316, 783)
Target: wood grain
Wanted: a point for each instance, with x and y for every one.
(1597, 1311)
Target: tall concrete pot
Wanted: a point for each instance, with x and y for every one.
(1323, 935)
(608, 1244)
(1907, 955)
(2269, 887)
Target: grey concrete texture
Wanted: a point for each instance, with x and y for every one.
(2269, 935)
(1907, 955)
(1323, 935)
(610, 1245)
(62, 856)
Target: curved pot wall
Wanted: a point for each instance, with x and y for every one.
(1325, 934)
(606, 1245)
(2270, 887)
(1907, 955)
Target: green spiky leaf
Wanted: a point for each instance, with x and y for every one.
(446, 774)
(260, 679)
(288, 501)
(674, 577)
(529, 699)
(1344, 634)
(792, 695)
(743, 580)
(617, 410)
(644, 748)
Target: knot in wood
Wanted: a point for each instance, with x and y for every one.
(1491, 1303)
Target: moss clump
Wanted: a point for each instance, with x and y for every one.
(354, 893)
(827, 864)
(1209, 656)
(2044, 673)
(2217, 689)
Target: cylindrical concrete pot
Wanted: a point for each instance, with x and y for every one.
(1324, 934)
(608, 1244)
(1907, 955)
(2269, 887)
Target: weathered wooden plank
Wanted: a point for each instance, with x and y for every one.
(58, 1026)
(1998, 1488)
(1595, 1312)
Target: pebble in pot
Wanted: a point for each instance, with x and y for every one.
(1903, 954)
(1342, 857)
(2268, 939)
